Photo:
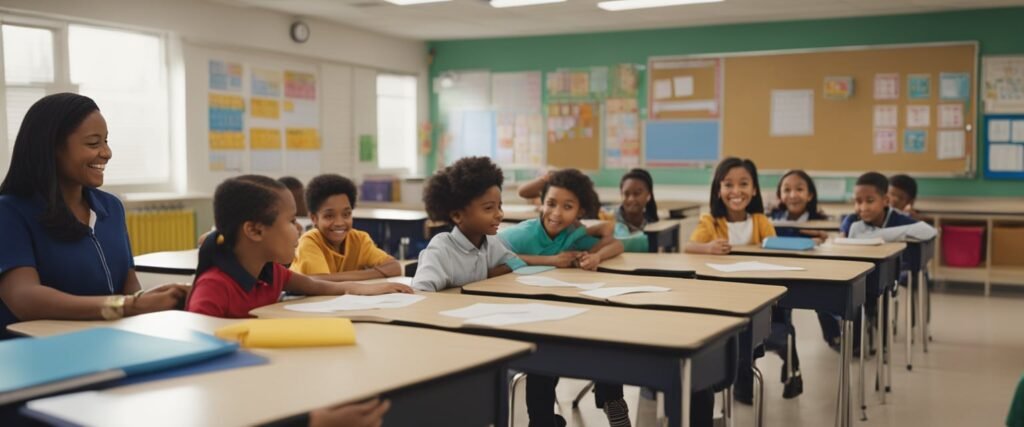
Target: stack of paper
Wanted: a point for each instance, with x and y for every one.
(511, 314)
(402, 280)
(548, 282)
(605, 293)
(357, 302)
(752, 266)
(874, 241)
(532, 269)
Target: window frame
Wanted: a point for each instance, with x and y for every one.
(416, 166)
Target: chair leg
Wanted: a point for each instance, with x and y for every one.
(582, 394)
(519, 376)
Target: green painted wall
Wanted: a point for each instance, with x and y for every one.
(997, 31)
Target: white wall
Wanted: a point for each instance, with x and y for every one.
(346, 60)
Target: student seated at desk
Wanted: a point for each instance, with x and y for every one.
(798, 202)
(737, 218)
(874, 218)
(638, 209)
(467, 194)
(240, 265)
(902, 195)
(333, 250)
(558, 239)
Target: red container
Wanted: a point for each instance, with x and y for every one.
(961, 245)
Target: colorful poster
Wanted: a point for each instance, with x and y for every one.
(885, 141)
(915, 140)
(919, 86)
(599, 80)
(919, 116)
(265, 138)
(954, 86)
(265, 108)
(1004, 84)
(266, 83)
(226, 161)
(626, 81)
(558, 83)
(579, 83)
(622, 133)
(302, 139)
(887, 86)
(226, 76)
(838, 88)
(225, 112)
(950, 144)
(887, 116)
(227, 140)
(999, 130)
(951, 115)
(299, 85)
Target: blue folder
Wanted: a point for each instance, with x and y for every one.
(788, 243)
(31, 367)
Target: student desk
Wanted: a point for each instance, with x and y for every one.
(181, 263)
(662, 236)
(448, 367)
(700, 296)
(834, 286)
(519, 213)
(817, 225)
(679, 209)
(388, 227)
(672, 352)
(919, 254)
(886, 259)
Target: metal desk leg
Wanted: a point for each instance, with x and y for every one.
(863, 351)
(909, 332)
(843, 407)
(922, 298)
(686, 383)
(889, 331)
(512, 397)
(879, 328)
(758, 397)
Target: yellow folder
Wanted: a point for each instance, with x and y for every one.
(300, 332)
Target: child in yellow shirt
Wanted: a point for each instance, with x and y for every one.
(333, 250)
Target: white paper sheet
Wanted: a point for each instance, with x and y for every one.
(509, 314)
(792, 112)
(548, 282)
(885, 141)
(1006, 158)
(999, 130)
(662, 89)
(407, 281)
(683, 86)
(622, 290)
(951, 115)
(1017, 131)
(751, 266)
(919, 116)
(357, 302)
(887, 116)
(951, 144)
(874, 241)
(887, 86)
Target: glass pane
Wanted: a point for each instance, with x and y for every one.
(396, 122)
(19, 99)
(124, 72)
(28, 55)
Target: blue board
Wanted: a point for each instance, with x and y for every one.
(989, 173)
(680, 143)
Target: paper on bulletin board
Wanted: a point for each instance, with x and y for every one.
(792, 112)
(367, 148)
(1017, 131)
(266, 83)
(950, 144)
(887, 116)
(265, 138)
(226, 76)
(887, 86)
(301, 113)
(915, 140)
(622, 133)
(663, 89)
(265, 153)
(579, 83)
(682, 86)
(885, 141)
(1006, 158)
(919, 116)
(302, 139)
(1003, 84)
(954, 86)
(999, 130)
(919, 86)
(516, 91)
(299, 85)
(265, 108)
(226, 140)
(838, 87)
(599, 80)
(951, 115)
(226, 161)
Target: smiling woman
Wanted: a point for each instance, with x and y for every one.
(66, 253)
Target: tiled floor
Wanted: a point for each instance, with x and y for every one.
(966, 379)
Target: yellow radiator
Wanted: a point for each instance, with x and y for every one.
(155, 230)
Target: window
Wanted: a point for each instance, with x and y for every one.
(396, 122)
(123, 71)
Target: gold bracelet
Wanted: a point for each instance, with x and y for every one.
(113, 307)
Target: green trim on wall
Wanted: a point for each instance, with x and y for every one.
(996, 30)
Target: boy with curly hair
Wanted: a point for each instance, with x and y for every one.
(468, 195)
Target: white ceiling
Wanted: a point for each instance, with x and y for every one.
(466, 19)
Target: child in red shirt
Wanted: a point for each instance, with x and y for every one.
(240, 265)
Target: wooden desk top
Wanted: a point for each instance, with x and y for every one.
(683, 332)
(705, 295)
(971, 205)
(294, 381)
(831, 251)
(518, 213)
(390, 214)
(678, 205)
(823, 225)
(662, 225)
(814, 269)
(171, 262)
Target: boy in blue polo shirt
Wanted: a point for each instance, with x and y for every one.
(874, 217)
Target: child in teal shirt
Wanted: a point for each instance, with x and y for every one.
(557, 238)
